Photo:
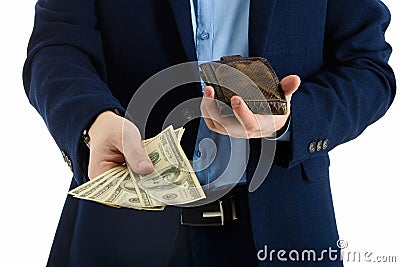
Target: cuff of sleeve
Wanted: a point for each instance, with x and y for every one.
(284, 135)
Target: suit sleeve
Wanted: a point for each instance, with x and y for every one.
(64, 74)
(356, 86)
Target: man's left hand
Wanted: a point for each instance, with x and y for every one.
(246, 124)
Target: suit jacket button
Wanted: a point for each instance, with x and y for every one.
(312, 147)
(319, 145)
(325, 144)
(69, 163)
(64, 155)
(67, 160)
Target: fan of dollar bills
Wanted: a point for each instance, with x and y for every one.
(172, 182)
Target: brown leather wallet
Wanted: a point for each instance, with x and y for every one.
(252, 78)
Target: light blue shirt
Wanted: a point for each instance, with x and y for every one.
(220, 28)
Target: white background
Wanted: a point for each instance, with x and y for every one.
(364, 173)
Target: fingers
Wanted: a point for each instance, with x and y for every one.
(246, 124)
(98, 165)
(209, 110)
(242, 125)
(244, 114)
(290, 84)
(209, 91)
(209, 103)
(115, 141)
(135, 154)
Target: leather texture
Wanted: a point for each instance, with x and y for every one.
(252, 78)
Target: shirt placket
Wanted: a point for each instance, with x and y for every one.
(205, 29)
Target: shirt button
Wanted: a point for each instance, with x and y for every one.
(204, 35)
(312, 147)
(187, 115)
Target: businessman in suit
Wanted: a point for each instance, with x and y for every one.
(87, 58)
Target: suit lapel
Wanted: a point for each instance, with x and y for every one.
(181, 10)
(261, 13)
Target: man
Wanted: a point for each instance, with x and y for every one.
(87, 58)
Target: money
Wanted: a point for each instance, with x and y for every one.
(96, 180)
(172, 182)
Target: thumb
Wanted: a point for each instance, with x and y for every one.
(290, 84)
(133, 150)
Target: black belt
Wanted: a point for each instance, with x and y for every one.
(219, 212)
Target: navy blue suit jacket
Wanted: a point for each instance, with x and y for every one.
(85, 57)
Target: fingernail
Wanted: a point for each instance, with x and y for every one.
(235, 102)
(207, 93)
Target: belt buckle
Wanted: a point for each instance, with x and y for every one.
(207, 217)
(215, 214)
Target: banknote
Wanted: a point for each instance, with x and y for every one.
(126, 195)
(172, 182)
(95, 181)
(178, 132)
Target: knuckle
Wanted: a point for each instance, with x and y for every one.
(209, 124)
(252, 128)
(220, 127)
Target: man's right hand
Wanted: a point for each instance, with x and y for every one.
(107, 150)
